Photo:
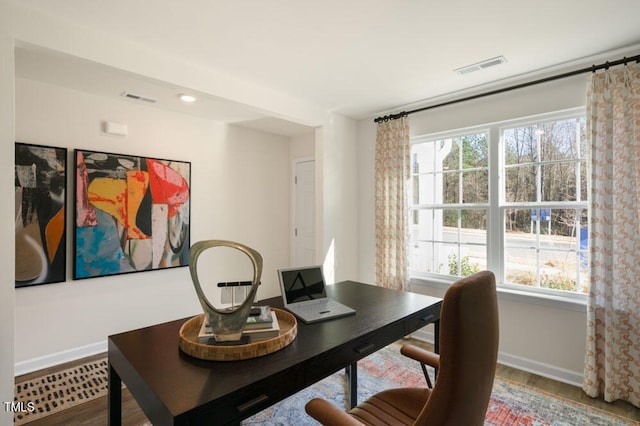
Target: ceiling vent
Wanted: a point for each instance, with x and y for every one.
(481, 65)
(139, 97)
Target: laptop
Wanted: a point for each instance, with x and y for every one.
(304, 295)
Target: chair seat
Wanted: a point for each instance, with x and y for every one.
(392, 407)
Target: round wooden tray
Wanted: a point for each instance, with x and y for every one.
(189, 341)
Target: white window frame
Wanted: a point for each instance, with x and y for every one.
(495, 231)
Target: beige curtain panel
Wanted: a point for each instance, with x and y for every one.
(612, 363)
(392, 169)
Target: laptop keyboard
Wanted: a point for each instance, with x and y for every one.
(315, 308)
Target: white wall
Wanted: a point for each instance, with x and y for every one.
(239, 189)
(7, 231)
(339, 198)
(303, 146)
(546, 339)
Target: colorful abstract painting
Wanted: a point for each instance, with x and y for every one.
(131, 214)
(40, 214)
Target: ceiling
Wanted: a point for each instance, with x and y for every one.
(51, 67)
(360, 58)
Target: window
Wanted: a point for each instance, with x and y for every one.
(511, 197)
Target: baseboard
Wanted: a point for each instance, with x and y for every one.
(530, 366)
(541, 369)
(35, 364)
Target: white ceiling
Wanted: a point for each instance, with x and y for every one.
(51, 67)
(359, 58)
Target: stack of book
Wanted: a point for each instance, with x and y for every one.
(261, 325)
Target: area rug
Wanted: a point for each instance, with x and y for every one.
(49, 394)
(511, 404)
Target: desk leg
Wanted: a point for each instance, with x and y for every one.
(352, 380)
(115, 398)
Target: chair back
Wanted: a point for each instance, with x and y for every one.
(469, 334)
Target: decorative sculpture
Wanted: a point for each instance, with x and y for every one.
(227, 324)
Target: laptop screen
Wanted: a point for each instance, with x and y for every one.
(302, 284)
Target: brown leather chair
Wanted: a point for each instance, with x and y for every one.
(466, 368)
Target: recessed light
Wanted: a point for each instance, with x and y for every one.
(184, 97)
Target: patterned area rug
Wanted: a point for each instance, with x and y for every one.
(511, 403)
(50, 394)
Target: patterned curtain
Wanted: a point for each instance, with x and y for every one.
(612, 362)
(391, 174)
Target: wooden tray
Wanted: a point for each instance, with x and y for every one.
(190, 345)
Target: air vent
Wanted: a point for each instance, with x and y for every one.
(481, 65)
(139, 97)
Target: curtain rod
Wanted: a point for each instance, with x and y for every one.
(592, 68)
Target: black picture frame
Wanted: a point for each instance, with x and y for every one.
(131, 213)
(41, 214)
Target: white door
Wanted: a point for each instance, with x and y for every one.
(304, 213)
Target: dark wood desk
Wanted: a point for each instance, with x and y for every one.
(173, 388)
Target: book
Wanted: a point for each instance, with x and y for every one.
(258, 334)
(259, 327)
(263, 320)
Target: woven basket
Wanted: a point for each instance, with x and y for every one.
(189, 343)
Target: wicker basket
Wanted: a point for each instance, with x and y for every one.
(189, 343)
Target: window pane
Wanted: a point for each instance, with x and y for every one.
(520, 266)
(584, 274)
(472, 221)
(447, 259)
(475, 151)
(519, 145)
(449, 241)
(422, 191)
(422, 227)
(559, 271)
(451, 188)
(558, 181)
(422, 156)
(558, 140)
(520, 243)
(520, 184)
(582, 189)
(550, 252)
(425, 256)
(475, 186)
(518, 221)
(565, 224)
(420, 257)
(449, 230)
(450, 148)
(468, 261)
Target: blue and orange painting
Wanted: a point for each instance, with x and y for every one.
(131, 214)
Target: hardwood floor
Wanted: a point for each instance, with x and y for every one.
(95, 412)
(569, 392)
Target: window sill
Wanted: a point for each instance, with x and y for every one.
(577, 303)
